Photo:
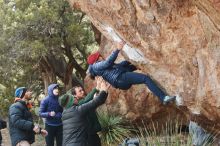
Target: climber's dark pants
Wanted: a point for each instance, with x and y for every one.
(127, 79)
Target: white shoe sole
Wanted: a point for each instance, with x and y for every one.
(179, 100)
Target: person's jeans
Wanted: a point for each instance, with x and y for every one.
(94, 140)
(127, 79)
(54, 132)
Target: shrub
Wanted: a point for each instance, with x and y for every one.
(114, 129)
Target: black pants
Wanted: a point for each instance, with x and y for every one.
(54, 132)
(94, 140)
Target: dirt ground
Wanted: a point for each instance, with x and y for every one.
(39, 140)
(5, 137)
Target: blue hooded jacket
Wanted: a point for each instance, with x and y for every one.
(109, 70)
(50, 103)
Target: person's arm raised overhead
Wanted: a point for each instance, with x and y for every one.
(97, 101)
(120, 45)
(91, 94)
(110, 60)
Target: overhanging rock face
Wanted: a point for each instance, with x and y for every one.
(175, 41)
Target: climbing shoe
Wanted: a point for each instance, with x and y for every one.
(179, 100)
(168, 99)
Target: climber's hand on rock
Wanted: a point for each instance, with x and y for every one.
(120, 45)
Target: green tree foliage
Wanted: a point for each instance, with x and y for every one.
(42, 41)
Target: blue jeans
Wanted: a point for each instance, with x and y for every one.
(127, 79)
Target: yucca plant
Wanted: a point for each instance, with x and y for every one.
(114, 129)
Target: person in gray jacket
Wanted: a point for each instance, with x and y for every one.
(75, 122)
(94, 126)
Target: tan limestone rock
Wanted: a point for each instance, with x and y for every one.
(176, 42)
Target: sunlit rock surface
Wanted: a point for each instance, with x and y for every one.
(176, 42)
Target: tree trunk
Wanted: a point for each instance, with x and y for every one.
(48, 75)
(68, 76)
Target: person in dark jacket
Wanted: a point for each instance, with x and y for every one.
(52, 111)
(3, 125)
(121, 75)
(94, 125)
(75, 117)
(21, 126)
